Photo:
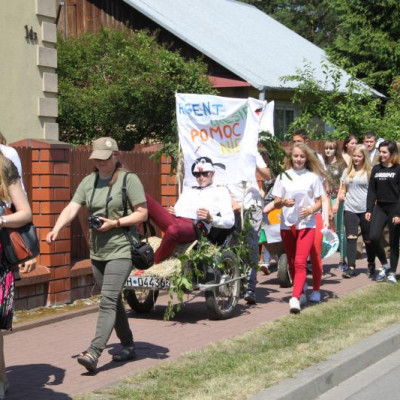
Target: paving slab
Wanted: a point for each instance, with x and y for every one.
(41, 360)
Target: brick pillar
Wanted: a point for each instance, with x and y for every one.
(50, 194)
(169, 188)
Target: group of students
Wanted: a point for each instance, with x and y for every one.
(370, 199)
(352, 195)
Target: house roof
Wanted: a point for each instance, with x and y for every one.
(241, 38)
(219, 82)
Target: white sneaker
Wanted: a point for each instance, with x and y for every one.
(391, 279)
(265, 269)
(294, 305)
(382, 273)
(315, 296)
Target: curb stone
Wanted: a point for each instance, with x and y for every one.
(41, 321)
(62, 316)
(316, 380)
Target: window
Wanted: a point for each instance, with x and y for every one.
(284, 115)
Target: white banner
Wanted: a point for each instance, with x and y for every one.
(222, 128)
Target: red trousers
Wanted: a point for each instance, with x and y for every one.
(297, 245)
(316, 250)
(176, 229)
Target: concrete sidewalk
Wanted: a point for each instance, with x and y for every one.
(41, 360)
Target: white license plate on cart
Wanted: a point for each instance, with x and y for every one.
(146, 281)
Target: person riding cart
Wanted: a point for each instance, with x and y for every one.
(205, 201)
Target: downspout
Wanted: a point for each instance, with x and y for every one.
(261, 95)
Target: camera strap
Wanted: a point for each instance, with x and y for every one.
(125, 205)
(108, 198)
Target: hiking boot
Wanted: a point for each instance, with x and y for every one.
(382, 273)
(315, 296)
(250, 297)
(294, 305)
(391, 278)
(349, 273)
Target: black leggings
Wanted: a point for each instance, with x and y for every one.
(383, 214)
(351, 222)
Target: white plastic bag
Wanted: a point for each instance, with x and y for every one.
(330, 243)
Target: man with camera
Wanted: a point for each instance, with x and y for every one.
(110, 249)
(205, 201)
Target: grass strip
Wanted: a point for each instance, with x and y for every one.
(242, 366)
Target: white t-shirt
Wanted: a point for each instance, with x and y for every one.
(248, 193)
(10, 153)
(303, 186)
(356, 192)
(215, 199)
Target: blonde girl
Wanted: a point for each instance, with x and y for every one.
(353, 194)
(298, 192)
(11, 192)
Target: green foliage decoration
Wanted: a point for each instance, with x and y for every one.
(272, 152)
(195, 262)
(122, 84)
(192, 267)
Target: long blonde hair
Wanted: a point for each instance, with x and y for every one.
(4, 194)
(312, 163)
(366, 167)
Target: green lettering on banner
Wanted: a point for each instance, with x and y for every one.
(230, 147)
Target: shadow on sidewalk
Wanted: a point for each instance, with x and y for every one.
(35, 381)
(143, 350)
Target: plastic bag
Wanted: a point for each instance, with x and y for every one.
(330, 243)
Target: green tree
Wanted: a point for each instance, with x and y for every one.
(122, 84)
(354, 111)
(367, 42)
(315, 20)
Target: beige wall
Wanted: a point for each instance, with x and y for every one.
(28, 83)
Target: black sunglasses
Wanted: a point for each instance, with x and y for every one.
(197, 174)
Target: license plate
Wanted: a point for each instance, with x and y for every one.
(152, 282)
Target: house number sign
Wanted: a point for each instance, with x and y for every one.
(30, 34)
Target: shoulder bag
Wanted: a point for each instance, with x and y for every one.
(142, 253)
(18, 244)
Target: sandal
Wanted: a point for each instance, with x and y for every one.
(88, 360)
(127, 353)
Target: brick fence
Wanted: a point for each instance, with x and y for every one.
(50, 171)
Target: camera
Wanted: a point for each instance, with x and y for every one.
(95, 222)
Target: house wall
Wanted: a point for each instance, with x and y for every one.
(28, 103)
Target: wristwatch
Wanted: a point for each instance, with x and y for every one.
(3, 222)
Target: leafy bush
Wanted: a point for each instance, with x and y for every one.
(122, 84)
(354, 111)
